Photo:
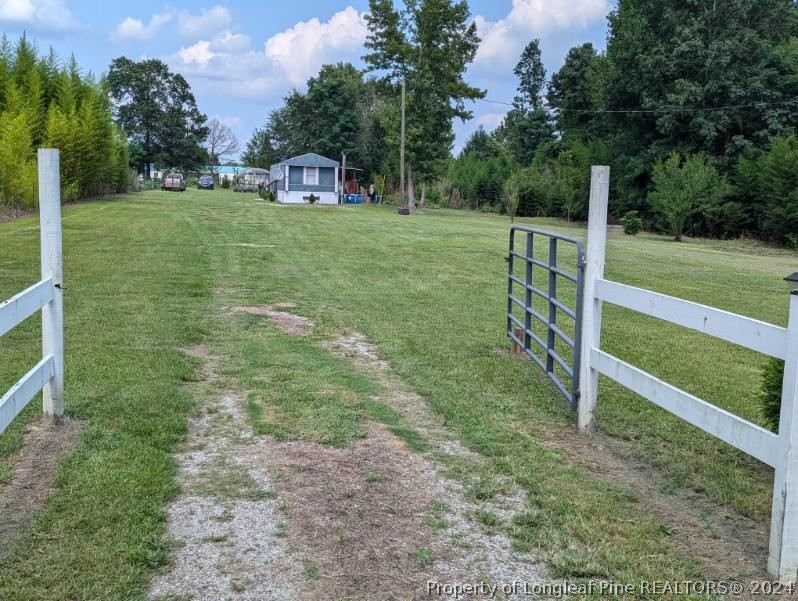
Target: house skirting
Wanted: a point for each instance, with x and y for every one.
(299, 197)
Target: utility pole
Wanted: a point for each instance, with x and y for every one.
(402, 152)
(343, 178)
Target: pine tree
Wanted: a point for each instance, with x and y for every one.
(532, 77)
(528, 124)
(430, 44)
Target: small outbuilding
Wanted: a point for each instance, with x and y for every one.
(295, 180)
(227, 172)
(251, 180)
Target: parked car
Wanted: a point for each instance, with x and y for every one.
(205, 182)
(174, 182)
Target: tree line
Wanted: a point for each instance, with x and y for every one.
(693, 105)
(107, 128)
(47, 102)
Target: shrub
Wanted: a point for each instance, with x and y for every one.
(770, 397)
(533, 185)
(266, 194)
(511, 198)
(225, 183)
(433, 197)
(490, 207)
(684, 189)
(632, 223)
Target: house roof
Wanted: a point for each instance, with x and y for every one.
(234, 170)
(311, 159)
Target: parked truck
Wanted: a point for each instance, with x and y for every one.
(174, 182)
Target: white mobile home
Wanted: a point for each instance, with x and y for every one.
(295, 180)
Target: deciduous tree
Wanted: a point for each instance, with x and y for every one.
(221, 143)
(157, 110)
(683, 188)
(429, 43)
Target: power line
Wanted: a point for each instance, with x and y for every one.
(666, 109)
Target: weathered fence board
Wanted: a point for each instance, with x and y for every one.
(732, 429)
(756, 335)
(23, 391)
(18, 308)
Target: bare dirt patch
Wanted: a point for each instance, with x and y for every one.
(224, 524)
(289, 323)
(377, 521)
(356, 513)
(12, 214)
(32, 471)
(727, 544)
(467, 552)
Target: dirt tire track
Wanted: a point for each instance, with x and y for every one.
(224, 526)
(728, 545)
(348, 522)
(32, 470)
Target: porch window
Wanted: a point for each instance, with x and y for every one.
(311, 176)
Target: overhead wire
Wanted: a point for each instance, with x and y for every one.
(665, 109)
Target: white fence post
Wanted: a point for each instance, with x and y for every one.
(52, 312)
(591, 313)
(783, 556)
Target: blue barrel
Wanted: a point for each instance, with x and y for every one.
(354, 199)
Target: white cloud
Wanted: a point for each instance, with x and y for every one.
(135, 29)
(17, 10)
(490, 120)
(228, 63)
(227, 41)
(47, 15)
(232, 121)
(208, 20)
(189, 24)
(503, 40)
(300, 50)
(200, 53)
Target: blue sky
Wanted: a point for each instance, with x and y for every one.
(242, 57)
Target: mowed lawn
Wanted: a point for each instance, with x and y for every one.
(148, 274)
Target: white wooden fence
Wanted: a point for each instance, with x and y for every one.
(48, 374)
(779, 451)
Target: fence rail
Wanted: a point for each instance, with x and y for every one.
(732, 429)
(756, 335)
(45, 296)
(18, 308)
(779, 451)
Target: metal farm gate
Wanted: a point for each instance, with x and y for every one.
(534, 269)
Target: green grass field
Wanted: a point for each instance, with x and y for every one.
(149, 274)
